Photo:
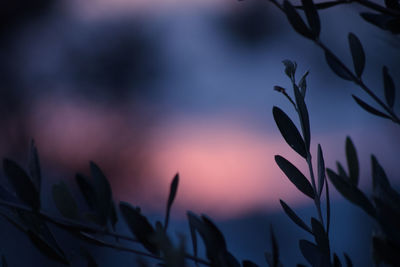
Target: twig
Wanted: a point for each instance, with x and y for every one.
(66, 223)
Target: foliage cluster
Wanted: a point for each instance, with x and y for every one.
(22, 205)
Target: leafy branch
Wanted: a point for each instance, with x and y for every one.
(312, 31)
(318, 254)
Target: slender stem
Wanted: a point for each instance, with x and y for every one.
(365, 3)
(67, 223)
(356, 79)
(378, 7)
(316, 198)
(138, 252)
(361, 84)
(71, 224)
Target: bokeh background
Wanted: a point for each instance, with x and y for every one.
(149, 88)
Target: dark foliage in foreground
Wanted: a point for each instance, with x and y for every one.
(22, 205)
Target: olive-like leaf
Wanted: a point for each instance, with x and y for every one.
(328, 206)
(369, 108)
(293, 216)
(312, 17)
(383, 21)
(381, 185)
(321, 237)
(47, 249)
(296, 21)
(87, 190)
(273, 259)
(357, 53)
(336, 261)
(337, 66)
(384, 251)
(290, 68)
(214, 233)
(312, 253)
(389, 87)
(341, 170)
(351, 192)
(171, 198)
(64, 201)
(103, 192)
(289, 131)
(113, 215)
(212, 237)
(295, 176)
(352, 161)
(247, 263)
(42, 237)
(91, 262)
(349, 263)
(303, 114)
(392, 4)
(192, 219)
(303, 84)
(34, 166)
(4, 261)
(321, 170)
(139, 226)
(23, 185)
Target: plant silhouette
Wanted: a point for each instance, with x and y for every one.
(22, 207)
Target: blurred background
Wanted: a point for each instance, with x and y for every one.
(150, 88)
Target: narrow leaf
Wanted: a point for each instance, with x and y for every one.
(34, 166)
(113, 215)
(341, 170)
(47, 249)
(392, 4)
(103, 192)
(293, 216)
(328, 206)
(275, 249)
(389, 87)
(321, 237)
(87, 190)
(383, 21)
(23, 185)
(369, 108)
(312, 17)
(42, 237)
(303, 84)
(192, 225)
(172, 194)
(139, 226)
(351, 193)
(337, 67)
(64, 201)
(296, 21)
(4, 261)
(303, 114)
(352, 161)
(381, 185)
(357, 53)
(311, 253)
(349, 263)
(289, 131)
(290, 68)
(295, 176)
(321, 170)
(91, 262)
(247, 263)
(336, 261)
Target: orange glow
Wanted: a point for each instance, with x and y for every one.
(226, 167)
